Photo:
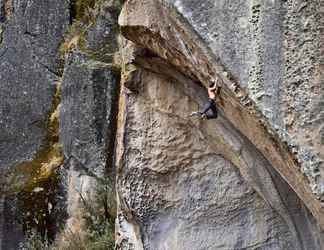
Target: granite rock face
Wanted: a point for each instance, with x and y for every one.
(47, 115)
(29, 72)
(30, 34)
(274, 50)
(88, 112)
(87, 130)
(157, 26)
(188, 184)
(184, 165)
(252, 179)
(100, 40)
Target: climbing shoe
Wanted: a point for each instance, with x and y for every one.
(204, 116)
(195, 114)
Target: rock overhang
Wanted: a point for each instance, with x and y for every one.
(156, 25)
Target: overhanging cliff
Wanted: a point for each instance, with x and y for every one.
(165, 160)
(155, 25)
(251, 179)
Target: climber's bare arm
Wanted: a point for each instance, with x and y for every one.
(213, 88)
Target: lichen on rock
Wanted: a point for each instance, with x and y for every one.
(89, 106)
(84, 108)
(32, 32)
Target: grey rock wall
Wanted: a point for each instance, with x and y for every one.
(87, 130)
(29, 72)
(179, 186)
(88, 117)
(181, 183)
(273, 49)
(30, 34)
(170, 45)
(11, 230)
(42, 110)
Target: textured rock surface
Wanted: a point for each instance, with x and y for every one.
(87, 127)
(100, 40)
(88, 115)
(179, 184)
(273, 49)
(28, 74)
(30, 34)
(11, 231)
(252, 179)
(157, 26)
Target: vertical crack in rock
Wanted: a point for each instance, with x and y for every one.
(89, 106)
(88, 121)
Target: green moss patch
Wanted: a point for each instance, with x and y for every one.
(79, 8)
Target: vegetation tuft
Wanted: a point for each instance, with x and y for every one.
(99, 216)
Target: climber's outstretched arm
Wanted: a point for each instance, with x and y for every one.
(214, 87)
(211, 105)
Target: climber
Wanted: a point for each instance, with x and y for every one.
(211, 105)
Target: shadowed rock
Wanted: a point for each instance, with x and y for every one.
(87, 131)
(31, 32)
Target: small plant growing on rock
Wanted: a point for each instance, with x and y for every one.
(98, 231)
(99, 216)
(36, 242)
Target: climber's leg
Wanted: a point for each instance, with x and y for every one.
(214, 113)
(210, 105)
(207, 106)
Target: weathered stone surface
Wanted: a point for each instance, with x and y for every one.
(87, 129)
(234, 183)
(100, 39)
(28, 65)
(11, 231)
(30, 34)
(157, 26)
(88, 116)
(178, 181)
(274, 50)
